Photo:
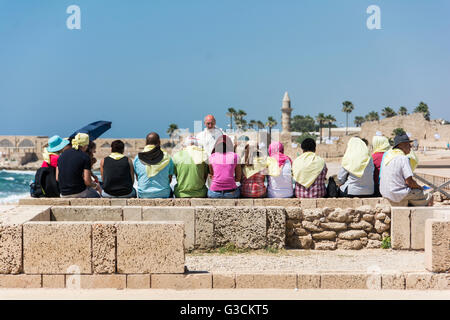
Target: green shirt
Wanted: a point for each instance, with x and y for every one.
(191, 177)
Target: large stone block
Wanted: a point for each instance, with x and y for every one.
(131, 213)
(342, 203)
(181, 202)
(150, 202)
(294, 213)
(344, 281)
(266, 281)
(20, 281)
(325, 245)
(437, 245)
(185, 214)
(393, 281)
(103, 281)
(224, 280)
(54, 281)
(426, 281)
(44, 202)
(400, 228)
(352, 234)
(104, 248)
(308, 281)
(278, 202)
(309, 203)
(324, 235)
(204, 227)
(150, 247)
(201, 202)
(182, 281)
(53, 247)
(92, 213)
(10, 248)
(245, 227)
(138, 281)
(16, 215)
(276, 227)
(118, 202)
(418, 218)
(371, 201)
(244, 202)
(90, 202)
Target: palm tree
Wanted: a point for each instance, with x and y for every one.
(330, 120)
(252, 124)
(388, 112)
(359, 121)
(271, 122)
(372, 116)
(423, 108)
(260, 124)
(403, 111)
(321, 118)
(172, 128)
(231, 113)
(347, 107)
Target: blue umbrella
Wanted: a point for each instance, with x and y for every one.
(94, 129)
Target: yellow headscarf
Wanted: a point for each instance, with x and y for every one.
(258, 165)
(380, 144)
(154, 169)
(412, 156)
(116, 155)
(46, 155)
(413, 159)
(356, 157)
(307, 168)
(80, 140)
(197, 154)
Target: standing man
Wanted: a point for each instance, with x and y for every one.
(207, 138)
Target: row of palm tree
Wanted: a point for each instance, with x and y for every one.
(242, 124)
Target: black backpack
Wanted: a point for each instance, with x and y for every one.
(45, 184)
(332, 188)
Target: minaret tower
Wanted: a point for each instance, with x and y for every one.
(286, 114)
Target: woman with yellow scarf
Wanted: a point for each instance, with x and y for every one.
(380, 145)
(356, 173)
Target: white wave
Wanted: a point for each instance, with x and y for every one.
(19, 171)
(14, 198)
(9, 178)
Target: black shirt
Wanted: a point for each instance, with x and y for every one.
(71, 164)
(117, 177)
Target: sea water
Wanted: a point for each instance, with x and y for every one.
(14, 185)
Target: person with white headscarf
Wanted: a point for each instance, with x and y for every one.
(380, 145)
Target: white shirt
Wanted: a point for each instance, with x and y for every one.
(281, 186)
(207, 138)
(392, 178)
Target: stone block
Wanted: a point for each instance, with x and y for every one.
(373, 244)
(300, 242)
(150, 202)
(294, 213)
(103, 281)
(25, 281)
(118, 202)
(104, 248)
(182, 281)
(313, 214)
(204, 227)
(278, 202)
(338, 215)
(437, 245)
(150, 247)
(16, 215)
(427, 281)
(352, 234)
(309, 203)
(276, 227)
(374, 236)
(10, 249)
(393, 281)
(400, 229)
(184, 214)
(401, 204)
(381, 227)
(368, 217)
(181, 202)
(335, 226)
(202, 202)
(325, 245)
(418, 218)
(244, 202)
(339, 203)
(370, 201)
(362, 225)
(131, 213)
(245, 227)
(91, 213)
(310, 226)
(266, 281)
(344, 281)
(54, 281)
(138, 281)
(350, 244)
(308, 281)
(324, 235)
(52, 247)
(90, 202)
(44, 202)
(224, 281)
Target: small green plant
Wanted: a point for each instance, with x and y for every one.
(270, 249)
(386, 243)
(230, 248)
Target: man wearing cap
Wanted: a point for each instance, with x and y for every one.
(396, 178)
(191, 170)
(74, 171)
(208, 137)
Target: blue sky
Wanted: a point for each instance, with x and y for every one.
(144, 64)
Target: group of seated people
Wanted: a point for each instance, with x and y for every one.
(223, 173)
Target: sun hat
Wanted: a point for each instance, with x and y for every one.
(56, 143)
(401, 138)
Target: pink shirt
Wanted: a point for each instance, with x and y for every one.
(223, 165)
(53, 161)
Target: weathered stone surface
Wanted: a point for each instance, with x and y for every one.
(20, 281)
(372, 202)
(312, 214)
(311, 226)
(300, 242)
(92, 213)
(118, 202)
(308, 281)
(204, 227)
(90, 202)
(181, 202)
(53, 281)
(299, 231)
(103, 281)
(182, 281)
(362, 225)
(364, 241)
(150, 202)
(224, 281)
(138, 281)
(244, 202)
(365, 209)
(368, 217)
(325, 245)
(52, 247)
(131, 213)
(352, 234)
(276, 227)
(437, 242)
(185, 214)
(426, 281)
(278, 202)
(338, 215)
(338, 203)
(44, 202)
(201, 202)
(393, 281)
(387, 220)
(418, 218)
(245, 227)
(343, 281)
(353, 215)
(294, 213)
(16, 215)
(335, 226)
(380, 216)
(104, 248)
(381, 227)
(263, 281)
(350, 244)
(324, 235)
(374, 236)
(373, 244)
(10, 248)
(309, 203)
(150, 247)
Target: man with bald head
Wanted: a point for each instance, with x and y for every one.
(207, 138)
(154, 169)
